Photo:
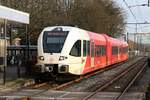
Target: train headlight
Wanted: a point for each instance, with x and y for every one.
(62, 58)
(41, 57)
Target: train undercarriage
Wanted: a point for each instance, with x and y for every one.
(52, 73)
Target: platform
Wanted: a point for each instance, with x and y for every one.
(62, 95)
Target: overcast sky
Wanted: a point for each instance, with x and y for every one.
(142, 14)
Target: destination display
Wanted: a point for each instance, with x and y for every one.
(56, 33)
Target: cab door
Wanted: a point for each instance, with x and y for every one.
(92, 54)
(75, 58)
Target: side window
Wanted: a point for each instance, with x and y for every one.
(88, 47)
(114, 50)
(124, 50)
(76, 49)
(103, 50)
(120, 49)
(96, 50)
(84, 48)
(100, 50)
(92, 49)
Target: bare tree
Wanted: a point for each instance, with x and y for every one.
(101, 16)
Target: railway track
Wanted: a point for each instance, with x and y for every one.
(132, 68)
(51, 85)
(45, 86)
(87, 76)
(59, 86)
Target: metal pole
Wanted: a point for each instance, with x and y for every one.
(27, 36)
(134, 42)
(135, 37)
(5, 50)
(137, 45)
(128, 40)
(10, 32)
(127, 37)
(27, 51)
(141, 43)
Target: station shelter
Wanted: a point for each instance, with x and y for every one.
(13, 26)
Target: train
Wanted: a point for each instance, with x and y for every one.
(71, 51)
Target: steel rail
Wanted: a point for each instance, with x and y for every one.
(77, 80)
(130, 83)
(87, 76)
(118, 76)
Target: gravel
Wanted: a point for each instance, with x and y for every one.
(89, 84)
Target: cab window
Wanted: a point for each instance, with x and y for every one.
(76, 49)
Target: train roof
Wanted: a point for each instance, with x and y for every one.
(93, 35)
(96, 36)
(65, 28)
(115, 41)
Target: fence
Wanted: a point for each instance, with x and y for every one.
(20, 59)
(21, 54)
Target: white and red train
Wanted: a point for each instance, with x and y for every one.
(74, 51)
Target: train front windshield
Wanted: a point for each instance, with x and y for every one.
(53, 41)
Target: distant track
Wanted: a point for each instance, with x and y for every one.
(128, 69)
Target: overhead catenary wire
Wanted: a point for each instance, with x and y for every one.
(138, 10)
(130, 10)
(132, 15)
(145, 26)
(131, 27)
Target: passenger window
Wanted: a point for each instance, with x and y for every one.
(114, 50)
(76, 49)
(92, 49)
(103, 50)
(100, 50)
(84, 48)
(88, 48)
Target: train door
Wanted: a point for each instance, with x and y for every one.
(92, 54)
